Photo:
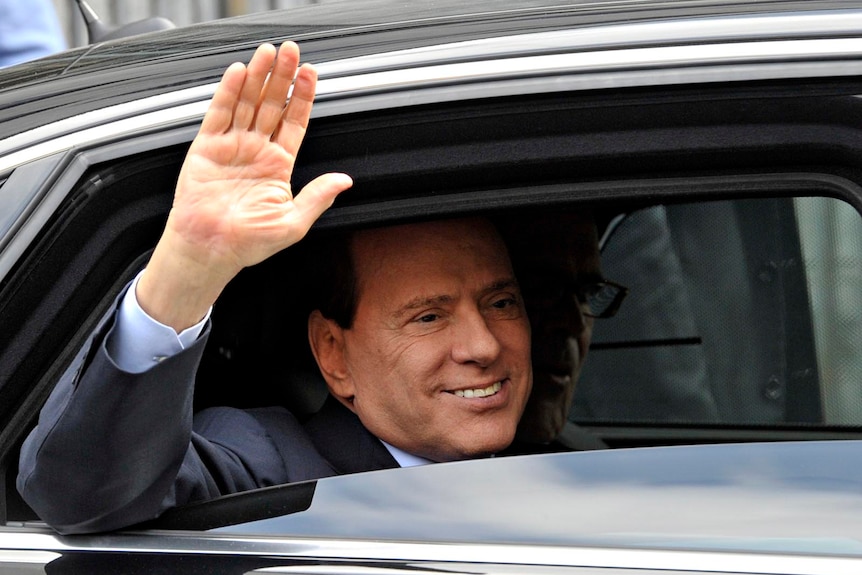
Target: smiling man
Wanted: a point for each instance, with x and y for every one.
(436, 359)
(428, 359)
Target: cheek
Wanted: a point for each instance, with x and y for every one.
(417, 360)
(516, 339)
(586, 336)
(387, 369)
(519, 338)
(373, 348)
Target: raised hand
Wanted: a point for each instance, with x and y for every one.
(233, 205)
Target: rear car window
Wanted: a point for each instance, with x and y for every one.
(740, 312)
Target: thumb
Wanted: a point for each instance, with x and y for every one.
(316, 197)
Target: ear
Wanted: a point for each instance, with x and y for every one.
(326, 338)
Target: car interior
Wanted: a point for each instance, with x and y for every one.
(741, 323)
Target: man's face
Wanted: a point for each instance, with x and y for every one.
(561, 256)
(437, 361)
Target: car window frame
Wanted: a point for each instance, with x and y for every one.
(593, 191)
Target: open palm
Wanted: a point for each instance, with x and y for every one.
(233, 205)
(234, 195)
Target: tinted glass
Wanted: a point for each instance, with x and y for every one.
(744, 312)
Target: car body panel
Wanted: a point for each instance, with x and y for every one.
(733, 508)
(153, 64)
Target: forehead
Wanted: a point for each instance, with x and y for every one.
(421, 251)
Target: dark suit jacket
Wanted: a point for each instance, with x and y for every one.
(112, 449)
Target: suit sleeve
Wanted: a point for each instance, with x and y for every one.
(113, 448)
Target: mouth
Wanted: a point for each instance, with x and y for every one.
(555, 375)
(559, 380)
(488, 391)
(558, 367)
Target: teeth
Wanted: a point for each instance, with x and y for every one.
(484, 392)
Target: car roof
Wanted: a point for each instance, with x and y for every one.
(115, 72)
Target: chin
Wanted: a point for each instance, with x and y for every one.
(493, 443)
(538, 433)
(545, 414)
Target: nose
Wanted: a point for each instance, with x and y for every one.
(474, 341)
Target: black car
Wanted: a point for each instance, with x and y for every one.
(719, 145)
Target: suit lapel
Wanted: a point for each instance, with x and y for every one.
(340, 437)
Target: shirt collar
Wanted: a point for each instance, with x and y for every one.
(403, 458)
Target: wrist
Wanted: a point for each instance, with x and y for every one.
(181, 283)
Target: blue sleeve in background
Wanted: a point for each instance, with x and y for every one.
(28, 30)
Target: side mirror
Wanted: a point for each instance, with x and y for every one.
(97, 31)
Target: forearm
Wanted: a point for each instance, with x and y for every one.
(109, 443)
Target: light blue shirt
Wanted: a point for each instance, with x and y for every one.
(138, 342)
(403, 458)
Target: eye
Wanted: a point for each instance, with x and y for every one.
(507, 304)
(504, 303)
(428, 318)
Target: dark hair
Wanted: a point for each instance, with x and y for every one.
(334, 289)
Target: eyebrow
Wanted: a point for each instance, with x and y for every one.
(430, 301)
(420, 302)
(507, 283)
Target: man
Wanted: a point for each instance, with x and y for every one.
(431, 364)
(557, 263)
(437, 358)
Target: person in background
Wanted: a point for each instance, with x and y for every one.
(557, 262)
(28, 30)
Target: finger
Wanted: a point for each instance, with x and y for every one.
(294, 120)
(219, 115)
(257, 70)
(274, 96)
(316, 197)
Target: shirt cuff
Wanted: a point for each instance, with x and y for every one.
(138, 342)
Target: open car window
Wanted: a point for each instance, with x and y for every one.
(741, 315)
(739, 325)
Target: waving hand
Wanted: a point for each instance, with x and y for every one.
(234, 205)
